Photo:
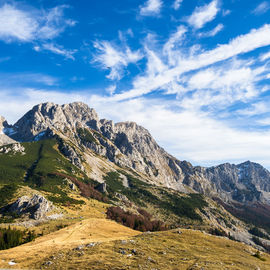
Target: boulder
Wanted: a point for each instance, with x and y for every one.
(36, 207)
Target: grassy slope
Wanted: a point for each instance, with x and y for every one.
(172, 207)
(163, 250)
(35, 168)
(82, 232)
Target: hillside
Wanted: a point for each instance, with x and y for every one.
(102, 244)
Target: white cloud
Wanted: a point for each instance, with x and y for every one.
(173, 43)
(256, 38)
(111, 89)
(203, 14)
(114, 58)
(226, 12)
(212, 32)
(264, 121)
(29, 25)
(177, 4)
(57, 49)
(262, 8)
(26, 78)
(16, 24)
(151, 8)
(53, 23)
(265, 56)
(255, 109)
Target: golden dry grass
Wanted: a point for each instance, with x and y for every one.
(164, 250)
(83, 232)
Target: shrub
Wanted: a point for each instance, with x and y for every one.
(258, 255)
(218, 232)
(257, 232)
(87, 190)
(136, 222)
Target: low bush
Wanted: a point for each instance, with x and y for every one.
(87, 190)
(136, 222)
(257, 232)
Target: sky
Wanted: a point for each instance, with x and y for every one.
(196, 74)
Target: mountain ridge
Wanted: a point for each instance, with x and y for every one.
(130, 145)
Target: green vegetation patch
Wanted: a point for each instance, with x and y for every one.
(86, 136)
(143, 194)
(7, 192)
(11, 238)
(257, 232)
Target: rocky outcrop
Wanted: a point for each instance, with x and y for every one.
(36, 207)
(4, 139)
(13, 149)
(71, 154)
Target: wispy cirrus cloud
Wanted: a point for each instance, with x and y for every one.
(33, 26)
(265, 56)
(254, 109)
(262, 8)
(56, 49)
(171, 71)
(22, 25)
(203, 15)
(115, 58)
(212, 32)
(17, 79)
(151, 8)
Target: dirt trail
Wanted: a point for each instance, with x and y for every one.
(83, 232)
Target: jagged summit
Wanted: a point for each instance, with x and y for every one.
(49, 115)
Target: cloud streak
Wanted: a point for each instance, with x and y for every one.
(56, 49)
(203, 15)
(242, 44)
(262, 8)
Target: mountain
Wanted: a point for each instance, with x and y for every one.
(65, 153)
(129, 145)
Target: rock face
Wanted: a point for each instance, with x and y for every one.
(126, 144)
(50, 116)
(4, 139)
(36, 207)
(13, 148)
(131, 146)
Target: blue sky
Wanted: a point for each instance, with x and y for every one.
(196, 74)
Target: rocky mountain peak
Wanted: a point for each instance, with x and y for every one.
(52, 116)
